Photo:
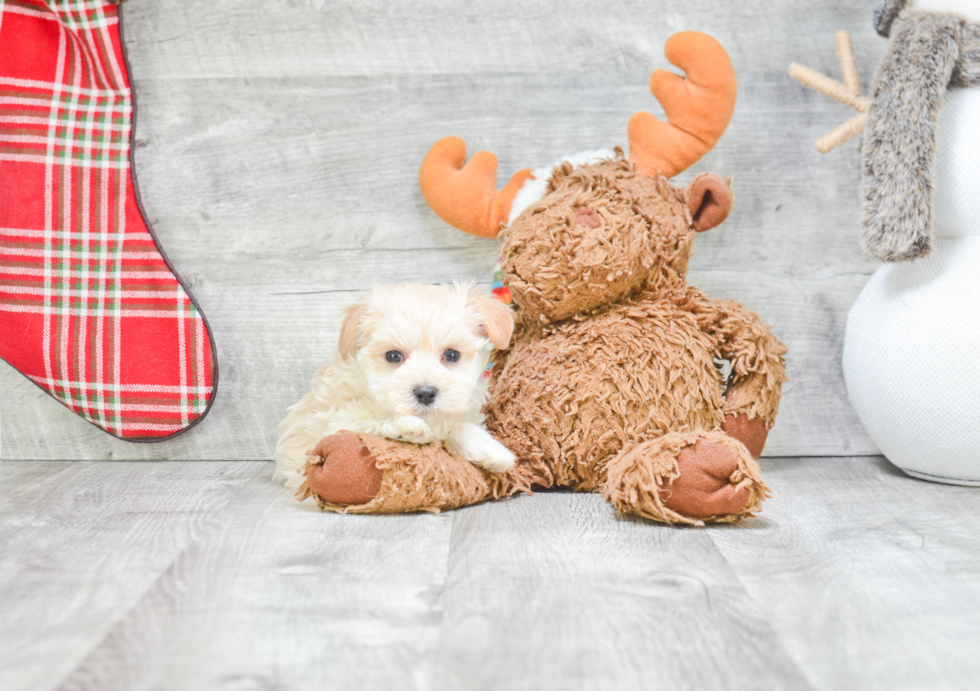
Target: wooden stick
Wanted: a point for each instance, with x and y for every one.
(842, 133)
(848, 66)
(828, 86)
(848, 93)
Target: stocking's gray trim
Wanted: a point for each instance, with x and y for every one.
(928, 52)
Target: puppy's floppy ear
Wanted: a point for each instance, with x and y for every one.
(350, 329)
(496, 318)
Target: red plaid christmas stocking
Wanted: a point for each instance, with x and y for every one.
(90, 309)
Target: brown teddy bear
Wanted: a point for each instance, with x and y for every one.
(611, 382)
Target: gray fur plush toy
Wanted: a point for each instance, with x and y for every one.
(928, 52)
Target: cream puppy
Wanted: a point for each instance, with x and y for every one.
(409, 366)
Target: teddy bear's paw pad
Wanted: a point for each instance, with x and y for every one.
(348, 473)
(704, 487)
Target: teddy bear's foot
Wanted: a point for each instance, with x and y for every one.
(690, 478)
(341, 471)
(361, 473)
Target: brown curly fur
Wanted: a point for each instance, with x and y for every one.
(613, 348)
(557, 268)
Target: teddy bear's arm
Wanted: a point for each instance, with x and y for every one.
(363, 473)
(755, 354)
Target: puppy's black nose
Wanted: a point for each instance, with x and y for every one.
(425, 394)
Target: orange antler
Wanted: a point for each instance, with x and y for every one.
(466, 196)
(698, 106)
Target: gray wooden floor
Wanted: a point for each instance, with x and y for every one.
(202, 576)
(278, 151)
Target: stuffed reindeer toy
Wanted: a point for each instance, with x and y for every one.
(610, 383)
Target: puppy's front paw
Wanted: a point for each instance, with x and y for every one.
(413, 429)
(492, 456)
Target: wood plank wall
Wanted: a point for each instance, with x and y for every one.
(279, 143)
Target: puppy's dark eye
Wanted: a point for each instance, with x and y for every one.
(394, 357)
(451, 355)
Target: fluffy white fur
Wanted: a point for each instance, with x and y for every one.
(361, 391)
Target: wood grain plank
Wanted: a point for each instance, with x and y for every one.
(83, 543)
(207, 575)
(870, 578)
(297, 38)
(555, 592)
(285, 596)
(279, 143)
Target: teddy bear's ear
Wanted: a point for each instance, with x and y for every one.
(709, 198)
(497, 318)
